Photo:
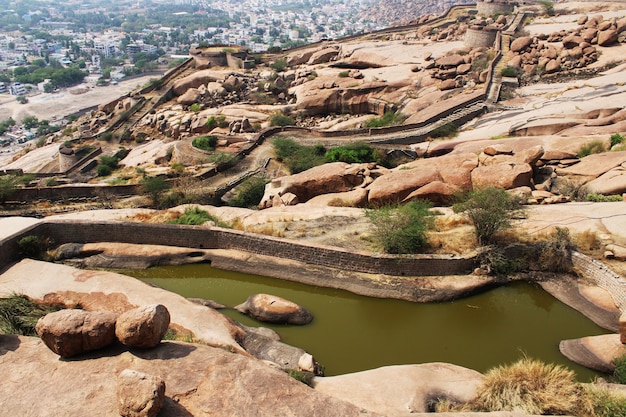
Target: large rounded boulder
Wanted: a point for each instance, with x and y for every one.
(272, 309)
(72, 332)
(143, 327)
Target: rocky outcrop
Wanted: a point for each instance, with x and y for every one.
(139, 394)
(594, 352)
(72, 332)
(333, 177)
(196, 79)
(143, 327)
(198, 379)
(398, 390)
(273, 309)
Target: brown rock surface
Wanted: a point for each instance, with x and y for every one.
(272, 309)
(72, 332)
(199, 381)
(143, 327)
(521, 43)
(139, 394)
(595, 165)
(607, 37)
(609, 183)
(502, 175)
(594, 352)
(195, 80)
(397, 185)
(319, 180)
(399, 390)
(108, 291)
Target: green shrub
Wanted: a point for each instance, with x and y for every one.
(593, 147)
(301, 376)
(401, 229)
(605, 404)
(600, 198)
(32, 247)
(196, 217)
(110, 161)
(103, 170)
(390, 118)
(154, 186)
(279, 65)
(508, 72)
(281, 120)
(616, 139)
(296, 157)
(51, 182)
(445, 131)
(490, 209)
(344, 74)
(620, 369)
(195, 107)
(210, 123)
(357, 152)
(249, 193)
(206, 143)
(19, 315)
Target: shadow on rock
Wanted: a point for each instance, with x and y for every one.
(8, 343)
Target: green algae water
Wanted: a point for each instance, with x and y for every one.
(352, 333)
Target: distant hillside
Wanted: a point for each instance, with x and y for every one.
(398, 12)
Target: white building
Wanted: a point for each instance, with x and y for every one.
(17, 89)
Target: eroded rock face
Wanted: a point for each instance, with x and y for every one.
(272, 309)
(139, 394)
(72, 332)
(143, 327)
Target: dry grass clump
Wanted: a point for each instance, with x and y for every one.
(531, 387)
(162, 216)
(587, 241)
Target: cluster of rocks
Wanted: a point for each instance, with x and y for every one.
(536, 175)
(579, 46)
(456, 70)
(72, 332)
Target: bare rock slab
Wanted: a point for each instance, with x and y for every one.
(72, 332)
(594, 352)
(401, 390)
(272, 309)
(143, 327)
(139, 394)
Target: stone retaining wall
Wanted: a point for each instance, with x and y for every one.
(68, 231)
(603, 276)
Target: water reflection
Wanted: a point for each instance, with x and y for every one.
(351, 333)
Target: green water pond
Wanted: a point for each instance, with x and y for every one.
(353, 333)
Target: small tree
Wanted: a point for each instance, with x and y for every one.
(154, 186)
(490, 209)
(402, 229)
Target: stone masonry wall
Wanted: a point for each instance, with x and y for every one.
(602, 276)
(66, 231)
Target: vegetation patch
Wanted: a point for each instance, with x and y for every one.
(19, 315)
(205, 143)
(196, 216)
(402, 229)
(297, 157)
(595, 146)
(601, 198)
(357, 152)
(249, 193)
(390, 118)
(490, 209)
(446, 131)
(278, 119)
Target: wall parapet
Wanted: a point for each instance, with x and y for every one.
(81, 231)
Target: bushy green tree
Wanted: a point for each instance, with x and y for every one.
(402, 229)
(490, 209)
(357, 152)
(281, 120)
(206, 143)
(249, 193)
(297, 157)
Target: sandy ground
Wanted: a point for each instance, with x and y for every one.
(63, 103)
